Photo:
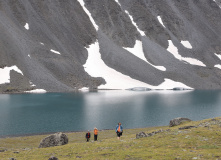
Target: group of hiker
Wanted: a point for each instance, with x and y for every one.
(118, 130)
(88, 135)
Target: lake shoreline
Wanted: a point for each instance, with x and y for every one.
(67, 132)
(96, 90)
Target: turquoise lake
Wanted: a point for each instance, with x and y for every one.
(24, 114)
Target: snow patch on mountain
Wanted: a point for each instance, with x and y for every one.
(131, 18)
(217, 4)
(32, 84)
(89, 14)
(37, 91)
(173, 49)
(96, 67)
(161, 22)
(219, 56)
(218, 66)
(84, 89)
(5, 73)
(186, 44)
(54, 51)
(26, 26)
(193, 61)
(170, 84)
(137, 50)
(118, 2)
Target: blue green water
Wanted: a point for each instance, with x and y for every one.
(52, 112)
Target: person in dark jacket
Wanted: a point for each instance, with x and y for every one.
(119, 130)
(88, 136)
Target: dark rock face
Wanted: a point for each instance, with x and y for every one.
(113, 21)
(64, 26)
(56, 139)
(178, 121)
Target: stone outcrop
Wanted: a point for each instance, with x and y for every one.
(56, 139)
(178, 121)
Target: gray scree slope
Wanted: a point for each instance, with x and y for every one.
(65, 27)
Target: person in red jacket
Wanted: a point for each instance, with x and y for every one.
(88, 136)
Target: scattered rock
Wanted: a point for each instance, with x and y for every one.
(178, 121)
(12, 159)
(141, 135)
(56, 139)
(3, 150)
(16, 152)
(53, 158)
(78, 157)
(187, 127)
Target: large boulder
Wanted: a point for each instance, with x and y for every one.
(56, 139)
(178, 121)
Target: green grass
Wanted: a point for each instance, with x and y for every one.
(201, 143)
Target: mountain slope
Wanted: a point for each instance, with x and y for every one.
(147, 42)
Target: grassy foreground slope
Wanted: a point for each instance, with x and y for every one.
(203, 142)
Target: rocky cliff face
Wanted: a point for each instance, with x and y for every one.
(49, 42)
